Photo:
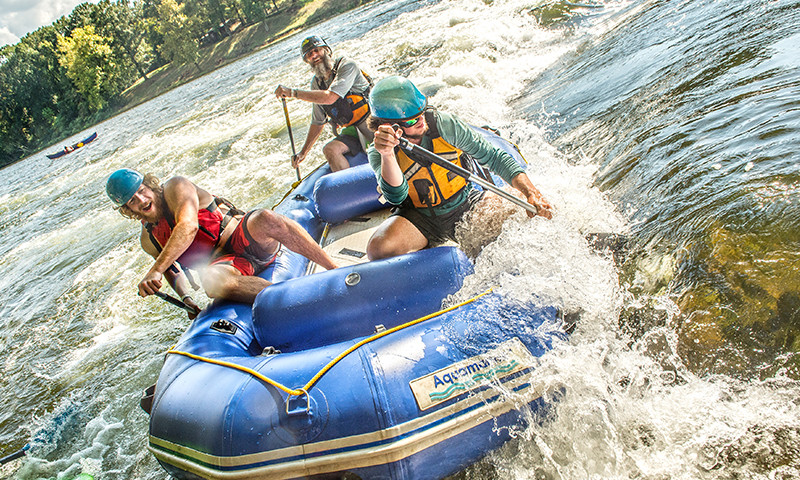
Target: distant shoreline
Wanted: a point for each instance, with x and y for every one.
(242, 43)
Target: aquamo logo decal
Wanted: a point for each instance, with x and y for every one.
(508, 358)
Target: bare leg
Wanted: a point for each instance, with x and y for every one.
(269, 228)
(224, 281)
(334, 152)
(395, 236)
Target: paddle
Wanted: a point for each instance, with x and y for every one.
(176, 302)
(466, 174)
(618, 244)
(47, 433)
(19, 453)
(291, 138)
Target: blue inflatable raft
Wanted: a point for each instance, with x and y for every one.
(359, 372)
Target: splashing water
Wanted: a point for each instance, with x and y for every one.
(76, 338)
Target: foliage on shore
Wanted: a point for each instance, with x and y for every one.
(104, 58)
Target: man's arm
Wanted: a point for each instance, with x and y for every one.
(384, 162)
(461, 135)
(522, 183)
(321, 97)
(498, 161)
(174, 275)
(346, 76)
(181, 198)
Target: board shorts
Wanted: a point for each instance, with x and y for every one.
(243, 253)
(349, 136)
(441, 228)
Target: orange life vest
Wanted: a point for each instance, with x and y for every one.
(429, 185)
(351, 109)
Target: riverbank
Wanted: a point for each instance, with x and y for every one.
(245, 41)
(288, 19)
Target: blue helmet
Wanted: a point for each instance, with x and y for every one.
(396, 98)
(122, 185)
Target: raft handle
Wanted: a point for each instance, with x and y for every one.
(224, 326)
(293, 399)
(146, 402)
(270, 351)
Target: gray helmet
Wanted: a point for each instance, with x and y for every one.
(311, 43)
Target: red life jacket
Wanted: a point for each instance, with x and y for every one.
(211, 223)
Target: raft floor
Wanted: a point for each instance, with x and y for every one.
(346, 242)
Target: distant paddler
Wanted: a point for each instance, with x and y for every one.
(339, 91)
(186, 227)
(432, 199)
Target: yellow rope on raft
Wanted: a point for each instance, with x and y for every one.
(326, 368)
(295, 184)
(237, 367)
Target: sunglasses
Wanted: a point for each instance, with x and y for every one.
(315, 49)
(410, 123)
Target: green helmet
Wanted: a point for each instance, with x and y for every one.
(396, 98)
(311, 43)
(122, 185)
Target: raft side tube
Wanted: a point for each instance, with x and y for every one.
(219, 411)
(347, 193)
(225, 330)
(364, 415)
(349, 302)
(298, 206)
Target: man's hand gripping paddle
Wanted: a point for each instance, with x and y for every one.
(466, 174)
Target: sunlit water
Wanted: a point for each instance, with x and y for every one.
(674, 122)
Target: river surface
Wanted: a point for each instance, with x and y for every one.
(676, 123)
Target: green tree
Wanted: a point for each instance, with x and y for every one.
(37, 100)
(179, 33)
(91, 65)
(203, 17)
(124, 24)
(235, 10)
(215, 14)
(257, 10)
(148, 11)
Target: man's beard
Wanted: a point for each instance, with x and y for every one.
(324, 67)
(416, 138)
(160, 209)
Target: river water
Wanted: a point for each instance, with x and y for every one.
(674, 122)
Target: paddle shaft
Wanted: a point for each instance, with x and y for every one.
(466, 174)
(175, 301)
(291, 138)
(19, 453)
